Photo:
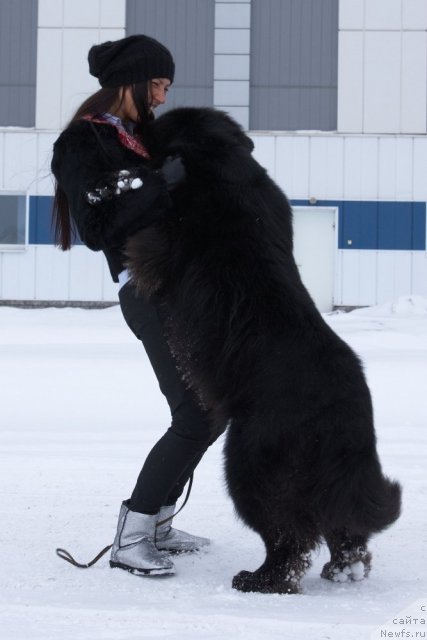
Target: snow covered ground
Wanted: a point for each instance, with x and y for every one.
(80, 409)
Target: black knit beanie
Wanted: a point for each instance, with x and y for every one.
(129, 61)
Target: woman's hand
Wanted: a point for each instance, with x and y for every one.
(118, 182)
(114, 184)
(173, 171)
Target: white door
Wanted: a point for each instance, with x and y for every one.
(314, 251)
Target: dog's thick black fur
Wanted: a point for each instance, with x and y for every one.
(300, 454)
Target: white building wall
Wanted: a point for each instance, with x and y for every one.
(67, 30)
(232, 58)
(382, 89)
(42, 272)
(379, 153)
(320, 166)
(382, 70)
(355, 167)
(25, 157)
(345, 166)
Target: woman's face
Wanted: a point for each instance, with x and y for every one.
(157, 90)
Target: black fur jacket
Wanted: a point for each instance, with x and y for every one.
(84, 156)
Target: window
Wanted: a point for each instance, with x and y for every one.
(294, 65)
(12, 221)
(186, 27)
(18, 62)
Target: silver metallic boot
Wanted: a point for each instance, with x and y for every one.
(133, 547)
(174, 540)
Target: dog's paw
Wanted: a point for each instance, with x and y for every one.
(263, 582)
(350, 571)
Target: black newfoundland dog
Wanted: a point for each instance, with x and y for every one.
(300, 454)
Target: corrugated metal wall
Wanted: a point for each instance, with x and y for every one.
(294, 64)
(18, 62)
(186, 27)
(375, 183)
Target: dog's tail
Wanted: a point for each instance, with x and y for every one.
(362, 500)
(379, 504)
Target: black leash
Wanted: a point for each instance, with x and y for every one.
(66, 555)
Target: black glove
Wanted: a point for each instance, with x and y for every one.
(173, 171)
(113, 185)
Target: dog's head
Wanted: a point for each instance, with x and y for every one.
(186, 128)
(207, 139)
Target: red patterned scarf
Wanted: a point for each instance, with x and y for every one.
(131, 142)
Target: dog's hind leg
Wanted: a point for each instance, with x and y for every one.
(288, 558)
(350, 558)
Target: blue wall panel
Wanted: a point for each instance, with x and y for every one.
(367, 225)
(394, 226)
(40, 228)
(358, 225)
(419, 226)
(40, 221)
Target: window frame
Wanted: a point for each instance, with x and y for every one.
(18, 247)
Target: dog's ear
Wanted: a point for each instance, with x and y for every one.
(209, 141)
(242, 139)
(237, 164)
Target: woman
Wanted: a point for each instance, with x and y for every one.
(106, 191)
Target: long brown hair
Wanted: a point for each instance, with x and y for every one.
(100, 102)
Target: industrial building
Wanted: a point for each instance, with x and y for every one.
(332, 92)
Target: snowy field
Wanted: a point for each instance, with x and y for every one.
(80, 409)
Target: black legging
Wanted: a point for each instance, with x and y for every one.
(173, 459)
